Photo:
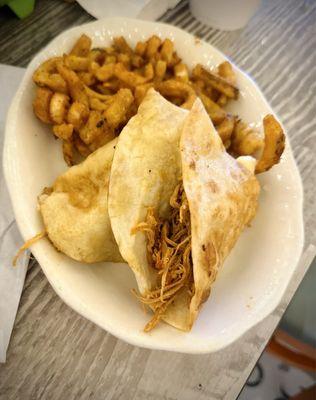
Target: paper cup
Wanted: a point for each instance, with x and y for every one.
(226, 15)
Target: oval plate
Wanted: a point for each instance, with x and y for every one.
(255, 275)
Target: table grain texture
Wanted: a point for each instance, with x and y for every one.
(55, 353)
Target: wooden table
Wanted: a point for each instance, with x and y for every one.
(56, 354)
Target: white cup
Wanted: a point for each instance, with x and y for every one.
(226, 15)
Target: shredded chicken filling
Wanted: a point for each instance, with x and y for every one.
(169, 253)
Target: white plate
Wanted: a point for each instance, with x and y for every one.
(254, 277)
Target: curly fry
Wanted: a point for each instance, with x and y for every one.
(80, 146)
(153, 44)
(245, 140)
(63, 131)
(181, 72)
(215, 81)
(41, 104)
(140, 48)
(76, 63)
(274, 143)
(166, 51)
(115, 114)
(121, 46)
(174, 88)
(132, 79)
(226, 127)
(160, 70)
(225, 70)
(92, 128)
(78, 114)
(58, 107)
(68, 152)
(46, 75)
(82, 46)
(140, 92)
(87, 78)
(75, 85)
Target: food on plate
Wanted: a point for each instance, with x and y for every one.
(134, 172)
(274, 143)
(215, 81)
(89, 95)
(168, 179)
(74, 210)
(245, 140)
(186, 202)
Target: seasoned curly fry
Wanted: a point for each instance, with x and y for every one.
(166, 51)
(113, 85)
(140, 92)
(78, 114)
(110, 59)
(140, 48)
(93, 128)
(137, 61)
(58, 107)
(199, 85)
(174, 60)
(245, 140)
(116, 112)
(49, 66)
(148, 72)
(153, 44)
(93, 94)
(80, 146)
(160, 70)
(215, 81)
(82, 46)
(121, 46)
(97, 55)
(103, 73)
(63, 131)
(87, 78)
(181, 72)
(75, 85)
(189, 101)
(222, 100)
(225, 70)
(99, 105)
(104, 87)
(132, 79)
(46, 75)
(226, 127)
(124, 59)
(105, 136)
(41, 104)
(68, 152)
(77, 63)
(274, 143)
(216, 113)
(174, 88)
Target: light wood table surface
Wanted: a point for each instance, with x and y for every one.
(55, 353)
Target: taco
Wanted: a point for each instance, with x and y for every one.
(177, 203)
(74, 210)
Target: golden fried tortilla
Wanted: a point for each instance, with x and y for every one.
(75, 211)
(222, 193)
